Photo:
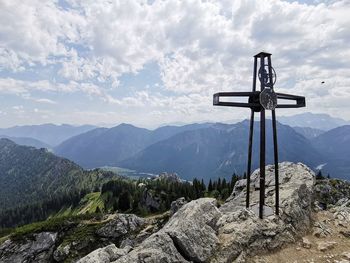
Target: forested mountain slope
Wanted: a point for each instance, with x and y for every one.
(29, 175)
(220, 150)
(107, 147)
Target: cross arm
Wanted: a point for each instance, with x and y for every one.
(299, 101)
(251, 99)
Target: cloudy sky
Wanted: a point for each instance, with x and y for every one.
(153, 62)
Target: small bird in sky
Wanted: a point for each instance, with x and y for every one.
(322, 82)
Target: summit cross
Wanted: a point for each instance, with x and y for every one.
(260, 101)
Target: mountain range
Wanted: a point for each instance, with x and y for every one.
(107, 147)
(335, 146)
(313, 120)
(49, 134)
(195, 150)
(27, 141)
(201, 150)
(218, 150)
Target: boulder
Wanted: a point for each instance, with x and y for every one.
(158, 248)
(151, 200)
(332, 191)
(242, 233)
(341, 214)
(37, 248)
(61, 252)
(190, 235)
(176, 205)
(325, 246)
(321, 229)
(306, 243)
(121, 225)
(345, 233)
(193, 229)
(346, 255)
(105, 255)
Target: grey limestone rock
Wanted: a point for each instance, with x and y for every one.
(190, 235)
(242, 233)
(121, 225)
(61, 252)
(105, 254)
(326, 245)
(341, 214)
(321, 229)
(37, 249)
(306, 243)
(176, 205)
(151, 200)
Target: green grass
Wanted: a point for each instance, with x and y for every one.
(90, 202)
(81, 232)
(3, 239)
(87, 205)
(65, 211)
(54, 224)
(79, 229)
(64, 218)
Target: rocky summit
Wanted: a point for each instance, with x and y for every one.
(203, 231)
(312, 226)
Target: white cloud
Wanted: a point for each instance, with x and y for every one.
(18, 107)
(46, 101)
(201, 47)
(33, 31)
(24, 88)
(19, 87)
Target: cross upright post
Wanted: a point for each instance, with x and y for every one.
(260, 101)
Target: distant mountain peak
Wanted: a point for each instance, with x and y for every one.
(6, 141)
(321, 121)
(50, 134)
(123, 124)
(127, 125)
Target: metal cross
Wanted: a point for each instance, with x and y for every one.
(259, 101)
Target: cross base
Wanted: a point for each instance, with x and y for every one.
(267, 210)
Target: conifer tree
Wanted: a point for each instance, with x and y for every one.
(124, 201)
(210, 186)
(218, 187)
(223, 184)
(319, 175)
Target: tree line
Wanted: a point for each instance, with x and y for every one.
(139, 196)
(39, 211)
(122, 195)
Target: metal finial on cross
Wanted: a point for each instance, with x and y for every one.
(259, 101)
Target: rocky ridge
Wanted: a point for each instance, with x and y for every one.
(70, 241)
(205, 231)
(201, 231)
(38, 248)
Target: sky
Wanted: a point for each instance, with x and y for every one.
(155, 62)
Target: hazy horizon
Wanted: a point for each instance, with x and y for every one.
(110, 125)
